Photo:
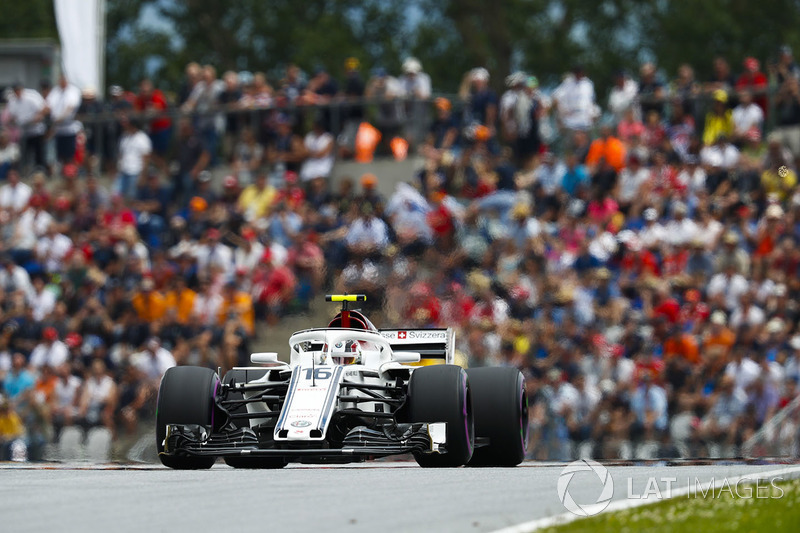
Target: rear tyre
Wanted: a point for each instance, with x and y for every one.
(186, 396)
(243, 376)
(442, 393)
(501, 414)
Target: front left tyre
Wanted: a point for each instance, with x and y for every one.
(501, 415)
(186, 396)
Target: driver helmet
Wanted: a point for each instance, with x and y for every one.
(346, 353)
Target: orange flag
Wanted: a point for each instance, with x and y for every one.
(367, 139)
(399, 148)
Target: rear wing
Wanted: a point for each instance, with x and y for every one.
(435, 346)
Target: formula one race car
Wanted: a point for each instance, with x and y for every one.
(350, 392)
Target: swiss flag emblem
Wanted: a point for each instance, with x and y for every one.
(401, 334)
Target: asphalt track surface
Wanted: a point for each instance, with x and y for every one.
(366, 497)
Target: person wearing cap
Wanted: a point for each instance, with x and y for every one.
(443, 132)
(415, 87)
(27, 110)
(520, 111)
(481, 100)
(51, 351)
(574, 100)
(90, 109)
(719, 119)
(369, 192)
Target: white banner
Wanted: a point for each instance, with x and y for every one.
(81, 30)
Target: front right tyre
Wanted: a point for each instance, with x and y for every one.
(442, 393)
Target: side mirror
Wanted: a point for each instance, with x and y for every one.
(264, 358)
(406, 357)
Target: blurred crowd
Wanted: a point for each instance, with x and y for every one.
(635, 256)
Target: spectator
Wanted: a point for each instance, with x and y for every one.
(787, 103)
(607, 149)
(153, 104)
(481, 100)
(27, 110)
(63, 102)
(415, 85)
(719, 120)
(247, 157)
(135, 149)
(747, 116)
(9, 154)
(203, 101)
(193, 158)
(651, 91)
(575, 102)
(319, 145)
(14, 194)
(97, 400)
(622, 98)
(229, 98)
(754, 81)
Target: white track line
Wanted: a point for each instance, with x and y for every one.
(621, 505)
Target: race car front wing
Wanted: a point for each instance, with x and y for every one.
(196, 440)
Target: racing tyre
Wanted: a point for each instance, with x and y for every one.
(501, 413)
(442, 393)
(186, 396)
(243, 376)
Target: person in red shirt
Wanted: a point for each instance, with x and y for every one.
(273, 287)
(754, 80)
(152, 102)
(291, 194)
(118, 217)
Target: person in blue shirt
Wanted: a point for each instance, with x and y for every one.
(575, 177)
(19, 379)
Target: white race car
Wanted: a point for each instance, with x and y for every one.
(349, 392)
